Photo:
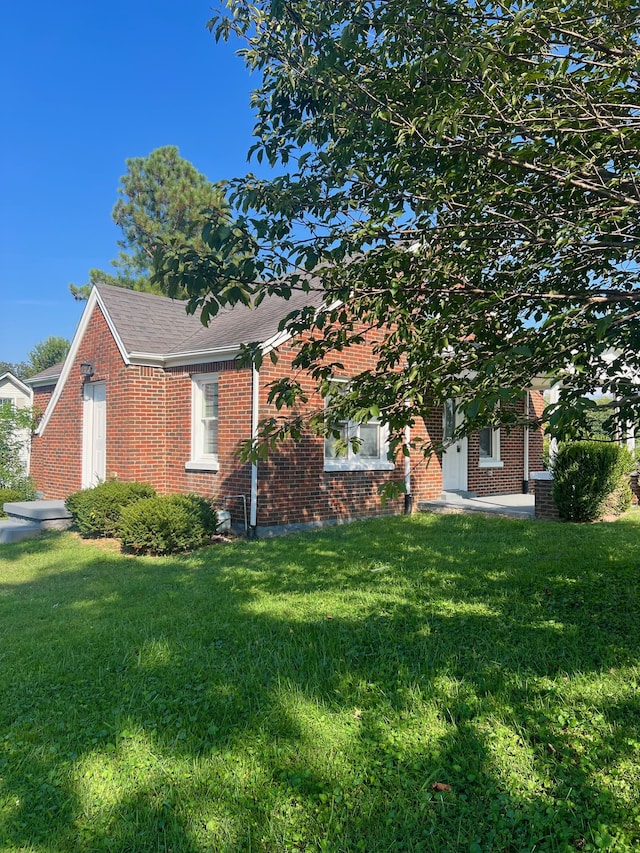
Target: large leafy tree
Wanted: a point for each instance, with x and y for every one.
(163, 199)
(461, 176)
(18, 369)
(47, 353)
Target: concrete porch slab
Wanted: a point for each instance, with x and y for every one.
(45, 515)
(39, 511)
(14, 530)
(516, 506)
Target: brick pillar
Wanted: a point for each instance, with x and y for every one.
(546, 508)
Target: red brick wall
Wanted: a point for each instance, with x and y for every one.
(545, 504)
(56, 455)
(41, 397)
(233, 478)
(509, 478)
(295, 488)
(148, 417)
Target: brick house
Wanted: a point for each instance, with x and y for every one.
(147, 393)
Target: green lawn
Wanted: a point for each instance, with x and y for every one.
(435, 683)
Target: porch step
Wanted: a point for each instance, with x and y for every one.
(49, 515)
(14, 530)
(28, 518)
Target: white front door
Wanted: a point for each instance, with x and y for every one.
(94, 434)
(454, 454)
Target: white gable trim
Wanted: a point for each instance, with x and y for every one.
(180, 359)
(280, 338)
(112, 327)
(93, 300)
(17, 383)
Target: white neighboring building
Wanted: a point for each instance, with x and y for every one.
(20, 396)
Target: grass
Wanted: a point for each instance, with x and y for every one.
(434, 683)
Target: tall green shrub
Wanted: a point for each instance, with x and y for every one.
(15, 435)
(590, 478)
(96, 511)
(168, 524)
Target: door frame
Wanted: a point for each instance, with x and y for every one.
(91, 425)
(455, 454)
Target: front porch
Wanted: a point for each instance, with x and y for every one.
(516, 506)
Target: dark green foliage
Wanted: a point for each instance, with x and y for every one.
(18, 369)
(9, 496)
(15, 434)
(161, 199)
(168, 524)
(96, 511)
(590, 479)
(620, 499)
(47, 353)
(477, 164)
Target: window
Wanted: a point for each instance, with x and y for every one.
(204, 424)
(489, 440)
(371, 453)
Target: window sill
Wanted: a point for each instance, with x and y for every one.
(201, 465)
(333, 465)
(491, 463)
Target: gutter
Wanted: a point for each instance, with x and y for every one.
(408, 497)
(255, 411)
(525, 473)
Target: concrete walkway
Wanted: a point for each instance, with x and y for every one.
(517, 506)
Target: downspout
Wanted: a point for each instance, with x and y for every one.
(525, 476)
(408, 497)
(255, 410)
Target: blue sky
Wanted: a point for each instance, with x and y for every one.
(84, 86)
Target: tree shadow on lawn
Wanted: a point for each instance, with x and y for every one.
(270, 697)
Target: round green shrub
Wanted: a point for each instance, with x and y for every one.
(167, 525)
(590, 479)
(9, 496)
(96, 511)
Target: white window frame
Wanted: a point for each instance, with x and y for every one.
(352, 460)
(494, 460)
(201, 461)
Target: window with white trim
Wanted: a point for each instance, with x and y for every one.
(489, 441)
(204, 424)
(368, 453)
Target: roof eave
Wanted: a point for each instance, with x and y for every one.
(180, 359)
(52, 379)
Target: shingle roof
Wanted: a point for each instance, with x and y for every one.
(51, 373)
(160, 326)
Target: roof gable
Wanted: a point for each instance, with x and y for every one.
(159, 327)
(9, 379)
(156, 330)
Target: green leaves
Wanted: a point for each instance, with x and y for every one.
(461, 178)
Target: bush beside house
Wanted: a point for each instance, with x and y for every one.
(167, 525)
(144, 522)
(97, 511)
(591, 480)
